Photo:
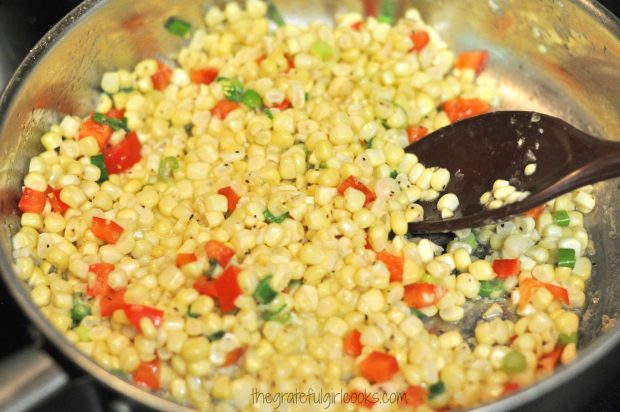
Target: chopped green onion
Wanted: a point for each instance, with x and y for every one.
(321, 49)
(216, 336)
(436, 389)
(79, 310)
(561, 218)
(514, 362)
(270, 218)
(493, 289)
(419, 314)
(166, 166)
(83, 333)
(233, 89)
(109, 121)
(393, 174)
(274, 14)
(306, 96)
(126, 89)
(252, 99)
(268, 113)
(428, 278)
(293, 284)
(177, 26)
(388, 12)
(471, 241)
(98, 161)
(120, 373)
(278, 315)
(213, 264)
(385, 124)
(566, 258)
(264, 293)
(370, 142)
(566, 339)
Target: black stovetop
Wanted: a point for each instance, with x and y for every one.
(22, 23)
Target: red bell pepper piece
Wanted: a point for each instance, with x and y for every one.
(395, 264)
(100, 286)
(219, 251)
(414, 396)
(357, 26)
(505, 268)
(58, 206)
(415, 133)
(291, 62)
(547, 363)
(536, 212)
(510, 387)
(421, 295)
(475, 60)
(223, 108)
(136, 312)
(260, 58)
(124, 155)
(352, 344)
(420, 39)
(460, 108)
(204, 76)
(378, 367)
(106, 230)
(233, 356)
(147, 374)
(362, 399)
(31, 201)
(116, 113)
(227, 288)
(162, 76)
(352, 181)
(283, 105)
(528, 285)
(205, 286)
(231, 196)
(101, 132)
(185, 258)
(112, 302)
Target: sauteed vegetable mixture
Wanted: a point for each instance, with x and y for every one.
(236, 220)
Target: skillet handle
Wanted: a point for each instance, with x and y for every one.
(27, 378)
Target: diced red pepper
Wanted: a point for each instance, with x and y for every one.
(260, 58)
(136, 312)
(416, 133)
(112, 302)
(420, 39)
(510, 387)
(461, 108)
(185, 258)
(58, 206)
(227, 288)
(101, 132)
(162, 77)
(414, 396)
(283, 105)
(548, 362)
(223, 108)
(357, 26)
(395, 264)
(205, 286)
(219, 251)
(474, 60)
(291, 62)
(528, 285)
(106, 230)
(421, 295)
(31, 201)
(233, 356)
(147, 374)
(536, 212)
(505, 268)
(352, 181)
(378, 367)
(231, 196)
(352, 344)
(116, 113)
(362, 399)
(124, 155)
(204, 76)
(100, 286)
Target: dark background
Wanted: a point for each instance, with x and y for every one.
(22, 23)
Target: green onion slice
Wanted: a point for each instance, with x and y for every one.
(233, 89)
(561, 218)
(166, 166)
(271, 218)
(566, 258)
(370, 142)
(177, 26)
(278, 315)
(252, 99)
(79, 310)
(268, 113)
(98, 161)
(321, 49)
(216, 336)
(387, 12)
(436, 389)
(493, 289)
(264, 293)
(213, 264)
(393, 174)
(274, 14)
(566, 339)
(115, 124)
(471, 241)
(419, 314)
